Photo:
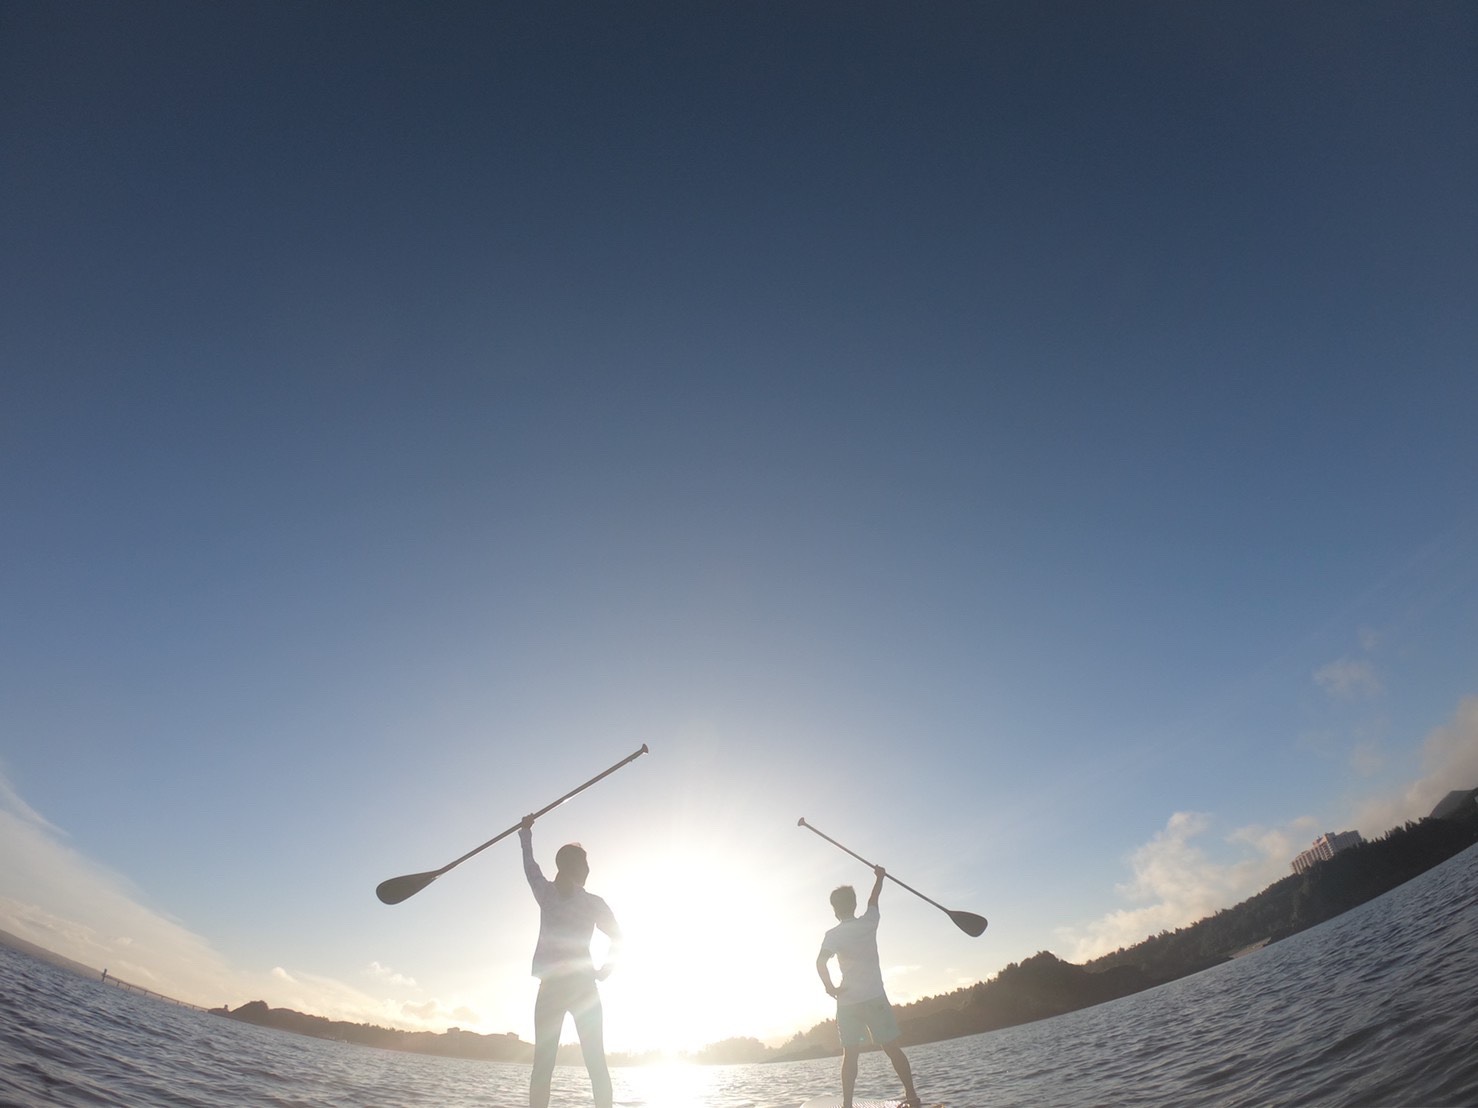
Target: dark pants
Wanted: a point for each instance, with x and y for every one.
(576, 995)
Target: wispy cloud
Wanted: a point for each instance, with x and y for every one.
(1176, 882)
(56, 897)
(1449, 761)
(1349, 679)
(385, 973)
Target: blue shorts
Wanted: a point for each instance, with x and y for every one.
(868, 1017)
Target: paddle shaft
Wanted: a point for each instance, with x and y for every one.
(547, 808)
(396, 889)
(870, 865)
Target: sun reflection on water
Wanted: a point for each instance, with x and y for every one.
(675, 1084)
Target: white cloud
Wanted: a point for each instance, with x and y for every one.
(1348, 679)
(55, 897)
(1449, 761)
(1176, 883)
(52, 895)
(12, 802)
(385, 973)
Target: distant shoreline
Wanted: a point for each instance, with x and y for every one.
(1038, 988)
(103, 977)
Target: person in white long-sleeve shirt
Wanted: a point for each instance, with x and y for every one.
(568, 917)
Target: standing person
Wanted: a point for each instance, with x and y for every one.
(568, 917)
(862, 1003)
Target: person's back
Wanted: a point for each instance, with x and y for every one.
(862, 1002)
(568, 917)
(854, 943)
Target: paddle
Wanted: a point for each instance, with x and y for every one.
(968, 922)
(397, 889)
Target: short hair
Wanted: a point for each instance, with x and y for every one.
(844, 899)
(570, 856)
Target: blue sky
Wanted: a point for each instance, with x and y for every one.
(1033, 442)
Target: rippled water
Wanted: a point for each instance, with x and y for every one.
(1373, 1008)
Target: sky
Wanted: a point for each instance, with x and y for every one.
(1035, 443)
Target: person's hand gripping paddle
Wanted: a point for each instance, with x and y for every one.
(968, 922)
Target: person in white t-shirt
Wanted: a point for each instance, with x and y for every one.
(568, 917)
(862, 1003)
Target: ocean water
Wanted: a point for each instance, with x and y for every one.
(1376, 1007)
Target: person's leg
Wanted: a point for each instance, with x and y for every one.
(852, 1031)
(882, 1024)
(590, 1026)
(905, 1071)
(549, 1019)
(849, 1073)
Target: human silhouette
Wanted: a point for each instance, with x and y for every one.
(862, 1003)
(568, 917)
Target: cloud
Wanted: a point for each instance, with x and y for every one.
(1449, 760)
(54, 896)
(385, 973)
(1176, 883)
(1348, 679)
(11, 802)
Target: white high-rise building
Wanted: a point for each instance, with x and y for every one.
(1325, 847)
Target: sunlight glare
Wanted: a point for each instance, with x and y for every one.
(705, 957)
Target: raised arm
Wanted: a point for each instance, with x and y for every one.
(877, 886)
(531, 868)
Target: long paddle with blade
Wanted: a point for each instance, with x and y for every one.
(397, 889)
(968, 922)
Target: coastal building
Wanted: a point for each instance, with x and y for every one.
(1325, 847)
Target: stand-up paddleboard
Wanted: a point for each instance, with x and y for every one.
(836, 1102)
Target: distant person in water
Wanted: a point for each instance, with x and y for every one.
(862, 1003)
(568, 917)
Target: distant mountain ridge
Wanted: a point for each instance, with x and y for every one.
(452, 1043)
(1044, 985)
(1454, 802)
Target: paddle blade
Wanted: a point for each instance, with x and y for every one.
(397, 889)
(969, 923)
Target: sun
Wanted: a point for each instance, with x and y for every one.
(707, 955)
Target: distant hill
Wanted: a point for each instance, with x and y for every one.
(1454, 803)
(453, 1043)
(1044, 985)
